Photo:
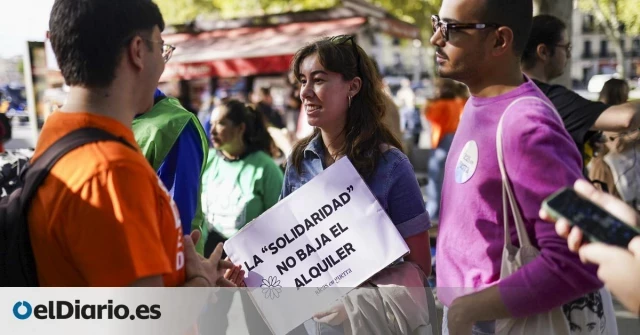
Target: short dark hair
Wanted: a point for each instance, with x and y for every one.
(515, 14)
(88, 36)
(547, 30)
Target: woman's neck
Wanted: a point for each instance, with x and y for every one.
(332, 143)
(234, 152)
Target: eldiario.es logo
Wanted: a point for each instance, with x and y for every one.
(62, 310)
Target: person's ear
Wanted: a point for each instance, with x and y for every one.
(543, 52)
(503, 41)
(136, 52)
(355, 86)
(242, 128)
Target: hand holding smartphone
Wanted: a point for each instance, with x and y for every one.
(596, 223)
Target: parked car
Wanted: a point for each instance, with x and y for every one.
(597, 82)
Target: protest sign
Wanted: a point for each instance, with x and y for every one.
(314, 246)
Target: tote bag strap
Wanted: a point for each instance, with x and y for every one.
(508, 197)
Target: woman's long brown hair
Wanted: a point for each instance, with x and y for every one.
(364, 131)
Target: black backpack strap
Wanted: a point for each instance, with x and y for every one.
(40, 168)
(21, 262)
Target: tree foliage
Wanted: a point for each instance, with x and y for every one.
(181, 11)
(612, 15)
(417, 12)
(614, 12)
(242, 8)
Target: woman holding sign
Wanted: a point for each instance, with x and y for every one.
(343, 98)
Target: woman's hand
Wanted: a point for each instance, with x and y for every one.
(235, 275)
(202, 271)
(611, 204)
(618, 268)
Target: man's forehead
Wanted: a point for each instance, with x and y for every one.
(156, 32)
(565, 35)
(461, 10)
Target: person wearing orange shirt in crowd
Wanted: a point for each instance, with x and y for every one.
(443, 114)
(5, 123)
(102, 217)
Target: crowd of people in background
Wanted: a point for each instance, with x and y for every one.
(153, 207)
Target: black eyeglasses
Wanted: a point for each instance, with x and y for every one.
(567, 47)
(446, 27)
(167, 49)
(342, 39)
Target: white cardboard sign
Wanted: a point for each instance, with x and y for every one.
(332, 232)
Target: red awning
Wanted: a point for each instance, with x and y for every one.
(247, 51)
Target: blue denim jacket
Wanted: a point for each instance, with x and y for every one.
(393, 183)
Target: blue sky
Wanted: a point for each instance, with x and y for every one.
(22, 20)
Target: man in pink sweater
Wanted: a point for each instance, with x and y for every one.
(479, 42)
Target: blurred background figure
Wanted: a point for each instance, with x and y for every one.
(265, 107)
(392, 114)
(5, 123)
(615, 92)
(392, 118)
(293, 104)
(241, 179)
(409, 116)
(275, 123)
(443, 114)
(216, 102)
(615, 164)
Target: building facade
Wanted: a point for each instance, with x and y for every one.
(594, 54)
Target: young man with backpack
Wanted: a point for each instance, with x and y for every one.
(102, 217)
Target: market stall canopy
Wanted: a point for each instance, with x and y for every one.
(247, 51)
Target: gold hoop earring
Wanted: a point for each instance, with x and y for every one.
(349, 101)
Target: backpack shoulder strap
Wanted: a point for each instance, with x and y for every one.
(20, 267)
(40, 168)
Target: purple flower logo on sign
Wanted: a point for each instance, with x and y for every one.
(271, 287)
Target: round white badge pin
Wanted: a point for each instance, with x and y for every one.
(467, 162)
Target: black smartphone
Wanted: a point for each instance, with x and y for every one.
(596, 223)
